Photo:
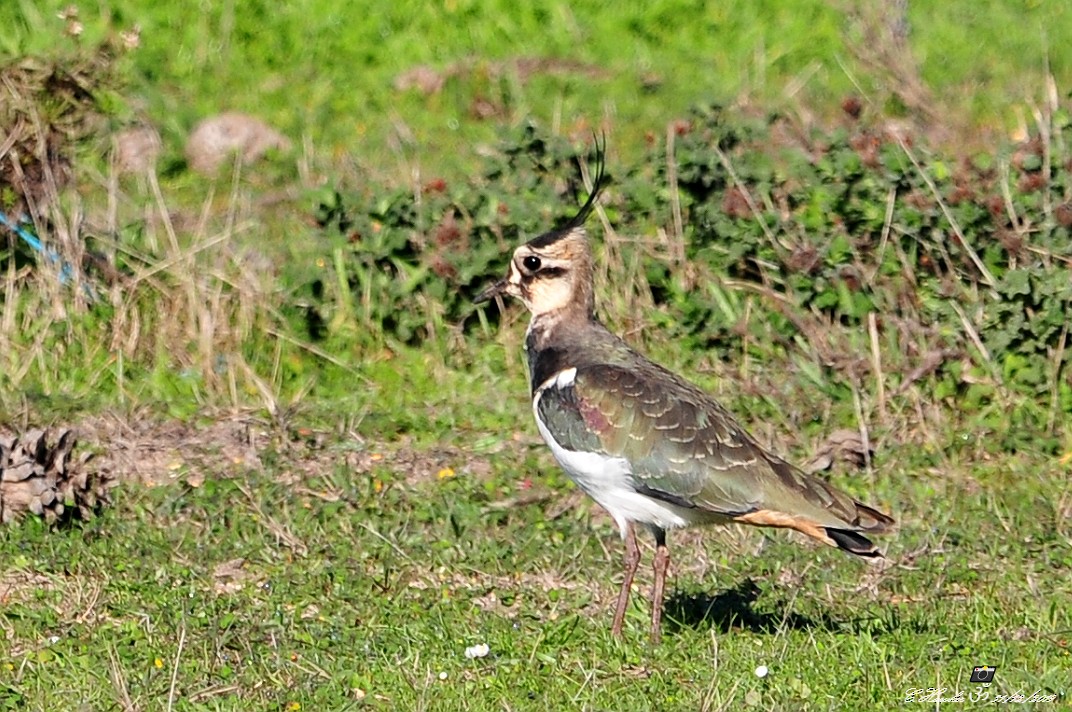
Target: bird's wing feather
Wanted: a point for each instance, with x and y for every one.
(682, 445)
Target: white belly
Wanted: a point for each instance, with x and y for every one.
(608, 480)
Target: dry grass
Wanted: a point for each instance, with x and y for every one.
(197, 306)
(109, 279)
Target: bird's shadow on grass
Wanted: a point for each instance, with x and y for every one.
(735, 608)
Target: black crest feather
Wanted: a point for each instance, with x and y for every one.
(599, 182)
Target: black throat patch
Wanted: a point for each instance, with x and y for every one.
(543, 362)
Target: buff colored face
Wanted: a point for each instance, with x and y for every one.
(543, 278)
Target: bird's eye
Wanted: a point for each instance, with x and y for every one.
(531, 263)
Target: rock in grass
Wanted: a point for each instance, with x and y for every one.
(136, 149)
(43, 477)
(219, 138)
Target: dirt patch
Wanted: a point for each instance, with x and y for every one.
(17, 586)
(156, 452)
(230, 577)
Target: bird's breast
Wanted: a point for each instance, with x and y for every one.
(609, 481)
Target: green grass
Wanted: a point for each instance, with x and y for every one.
(326, 70)
(332, 580)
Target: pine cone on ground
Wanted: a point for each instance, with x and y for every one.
(46, 479)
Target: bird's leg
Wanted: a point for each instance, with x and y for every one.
(632, 560)
(662, 563)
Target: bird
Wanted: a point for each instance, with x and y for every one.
(649, 446)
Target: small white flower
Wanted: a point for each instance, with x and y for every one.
(477, 651)
(443, 675)
(762, 671)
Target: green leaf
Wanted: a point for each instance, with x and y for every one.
(1016, 282)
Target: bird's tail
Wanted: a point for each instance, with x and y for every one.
(852, 542)
(867, 519)
(848, 539)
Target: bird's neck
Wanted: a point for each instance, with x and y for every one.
(570, 323)
(555, 340)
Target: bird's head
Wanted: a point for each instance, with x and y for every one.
(553, 272)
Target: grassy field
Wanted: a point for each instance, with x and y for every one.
(344, 574)
(328, 71)
(324, 505)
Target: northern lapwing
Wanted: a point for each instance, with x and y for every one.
(647, 445)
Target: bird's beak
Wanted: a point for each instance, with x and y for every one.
(491, 292)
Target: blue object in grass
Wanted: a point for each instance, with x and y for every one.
(37, 246)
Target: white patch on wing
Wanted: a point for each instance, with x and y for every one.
(608, 480)
(562, 379)
(565, 378)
